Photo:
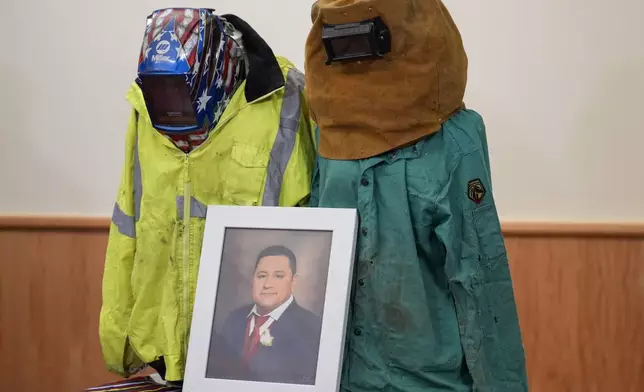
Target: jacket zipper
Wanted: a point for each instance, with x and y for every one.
(186, 227)
(187, 198)
(186, 253)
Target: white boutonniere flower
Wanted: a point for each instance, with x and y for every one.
(266, 339)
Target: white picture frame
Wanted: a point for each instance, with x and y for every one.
(308, 229)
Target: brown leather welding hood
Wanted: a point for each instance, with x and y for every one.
(368, 107)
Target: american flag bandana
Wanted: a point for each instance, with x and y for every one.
(137, 384)
(230, 72)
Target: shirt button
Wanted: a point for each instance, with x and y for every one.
(361, 282)
(414, 150)
(365, 232)
(392, 156)
(364, 182)
(357, 332)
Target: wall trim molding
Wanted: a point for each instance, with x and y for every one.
(577, 229)
(54, 222)
(510, 228)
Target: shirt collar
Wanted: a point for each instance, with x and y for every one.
(277, 312)
(265, 74)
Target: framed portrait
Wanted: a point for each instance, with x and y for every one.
(271, 300)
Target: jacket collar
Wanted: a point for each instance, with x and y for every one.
(264, 75)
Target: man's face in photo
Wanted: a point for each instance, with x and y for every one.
(272, 283)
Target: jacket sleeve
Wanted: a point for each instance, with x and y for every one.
(121, 247)
(296, 182)
(477, 268)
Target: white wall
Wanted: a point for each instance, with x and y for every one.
(560, 83)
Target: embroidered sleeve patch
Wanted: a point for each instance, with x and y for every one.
(475, 191)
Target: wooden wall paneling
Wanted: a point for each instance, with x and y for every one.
(50, 295)
(581, 308)
(579, 290)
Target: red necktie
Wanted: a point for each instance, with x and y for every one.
(251, 342)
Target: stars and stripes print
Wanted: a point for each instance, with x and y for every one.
(174, 42)
(137, 384)
(227, 75)
(185, 31)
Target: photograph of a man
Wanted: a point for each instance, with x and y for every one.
(271, 338)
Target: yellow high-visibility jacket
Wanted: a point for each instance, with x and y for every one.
(261, 153)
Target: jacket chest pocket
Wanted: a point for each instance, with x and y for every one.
(245, 174)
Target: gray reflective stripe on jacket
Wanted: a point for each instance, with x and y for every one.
(138, 187)
(280, 155)
(197, 208)
(123, 222)
(285, 140)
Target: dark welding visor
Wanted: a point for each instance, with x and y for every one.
(169, 102)
(369, 39)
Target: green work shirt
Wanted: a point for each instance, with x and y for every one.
(432, 306)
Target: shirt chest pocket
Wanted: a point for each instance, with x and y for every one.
(245, 174)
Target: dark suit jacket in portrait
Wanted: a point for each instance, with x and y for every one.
(292, 358)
